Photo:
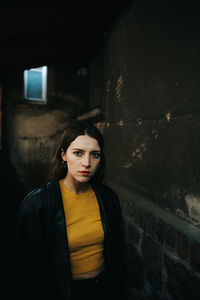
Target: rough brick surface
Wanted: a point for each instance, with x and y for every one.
(195, 256)
(135, 268)
(181, 245)
(152, 257)
(182, 284)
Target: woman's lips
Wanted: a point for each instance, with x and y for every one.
(85, 173)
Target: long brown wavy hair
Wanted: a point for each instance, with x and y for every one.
(57, 170)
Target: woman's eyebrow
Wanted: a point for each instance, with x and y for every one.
(93, 150)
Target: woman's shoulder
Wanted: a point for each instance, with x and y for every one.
(37, 192)
(40, 195)
(38, 203)
(33, 199)
(41, 191)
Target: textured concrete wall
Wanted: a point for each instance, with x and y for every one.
(151, 95)
(152, 101)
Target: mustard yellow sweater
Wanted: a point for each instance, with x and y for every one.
(84, 230)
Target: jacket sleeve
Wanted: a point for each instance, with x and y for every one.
(122, 251)
(122, 263)
(30, 246)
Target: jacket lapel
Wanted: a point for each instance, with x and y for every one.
(60, 250)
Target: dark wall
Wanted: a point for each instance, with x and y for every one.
(151, 95)
(153, 101)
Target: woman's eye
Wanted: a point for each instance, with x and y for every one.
(78, 153)
(95, 155)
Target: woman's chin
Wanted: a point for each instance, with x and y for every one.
(84, 179)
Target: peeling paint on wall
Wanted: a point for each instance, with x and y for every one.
(37, 136)
(108, 86)
(168, 116)
(155, 133)
(193, 205)
(127, 165)
(180, 213)
(138, 153)
(139, 121)
(119, 87)
(120, 123)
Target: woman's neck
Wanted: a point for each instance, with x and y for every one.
(76, 187)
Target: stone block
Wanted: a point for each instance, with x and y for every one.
(132, 233)
(135, 268)
(181, 281)
(194, 250)
(170, 237)
(160, 230)
(152, 257)
(181, 244)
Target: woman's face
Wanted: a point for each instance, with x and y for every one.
(83, 158)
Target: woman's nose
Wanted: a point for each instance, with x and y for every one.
(86, 161)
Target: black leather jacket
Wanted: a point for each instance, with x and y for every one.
(42, 246)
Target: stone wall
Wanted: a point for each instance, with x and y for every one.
(151, 89)
(162, 251)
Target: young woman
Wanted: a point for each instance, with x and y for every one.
(69, 232)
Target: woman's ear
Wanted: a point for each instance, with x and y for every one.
(63, 154)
